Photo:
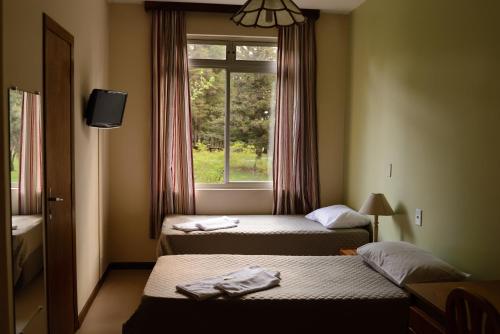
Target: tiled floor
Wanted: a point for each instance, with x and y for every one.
(116, 301)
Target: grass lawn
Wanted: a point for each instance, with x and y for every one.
(244, 166)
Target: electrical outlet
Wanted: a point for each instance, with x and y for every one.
(418, 217)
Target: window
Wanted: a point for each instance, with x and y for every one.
(15, 101)
(233, 88)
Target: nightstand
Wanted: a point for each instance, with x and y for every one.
(428, 303)
(348, 251)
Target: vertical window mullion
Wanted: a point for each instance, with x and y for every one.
(231, 56)
(227, 120)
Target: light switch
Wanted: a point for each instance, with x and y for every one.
(418, 217)
(389, 171)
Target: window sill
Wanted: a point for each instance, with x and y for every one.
(236, 186)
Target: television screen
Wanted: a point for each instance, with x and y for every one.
(105, 108)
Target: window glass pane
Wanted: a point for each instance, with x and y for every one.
(15, 100)
(206, 51)
(256, 53)
(208, 94)
(252, 126)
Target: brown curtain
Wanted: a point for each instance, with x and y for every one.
(30, 156)
(172, 188)
(295, 148)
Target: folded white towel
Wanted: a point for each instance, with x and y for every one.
(201, 290)
(211, 224)
(257, 281)
(249, 279)
(186, 227)
(217, 223)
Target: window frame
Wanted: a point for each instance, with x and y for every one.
(231, 65)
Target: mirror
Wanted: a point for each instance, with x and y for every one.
(25, 116)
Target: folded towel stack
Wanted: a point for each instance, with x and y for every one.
(241, 282)
(211, 224)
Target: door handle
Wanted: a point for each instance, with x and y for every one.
(55, 199)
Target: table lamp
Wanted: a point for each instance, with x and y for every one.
(377, 205)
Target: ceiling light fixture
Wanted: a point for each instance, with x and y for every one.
(269, 14)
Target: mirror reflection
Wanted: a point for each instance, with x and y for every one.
(27, 216)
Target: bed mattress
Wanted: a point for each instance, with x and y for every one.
(340, 292)
(260, 234)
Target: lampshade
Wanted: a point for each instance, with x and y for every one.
(268, 14)
(376, 204)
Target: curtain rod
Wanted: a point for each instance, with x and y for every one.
(312, 14)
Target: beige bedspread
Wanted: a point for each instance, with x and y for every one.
(260, 234)
(303, 277)
(341, 292)
(27, 247)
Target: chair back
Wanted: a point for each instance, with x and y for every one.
(468, 313)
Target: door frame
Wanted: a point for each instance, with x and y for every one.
(50, 25)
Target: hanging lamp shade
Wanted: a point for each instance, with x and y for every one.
(268, 14)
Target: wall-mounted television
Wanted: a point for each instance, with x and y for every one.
(105, 108)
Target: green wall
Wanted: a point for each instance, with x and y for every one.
(426, 98)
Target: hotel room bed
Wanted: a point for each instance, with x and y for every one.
(27, 246)
(340, 293)
(260, 234)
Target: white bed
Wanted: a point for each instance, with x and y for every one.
(260, 234)
(27, 247)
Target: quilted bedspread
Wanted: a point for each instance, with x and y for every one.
(341, 292)
(260, 234)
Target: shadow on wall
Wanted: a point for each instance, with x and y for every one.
(403, 221)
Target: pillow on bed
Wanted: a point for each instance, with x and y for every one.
(338, 216)
(403, 263)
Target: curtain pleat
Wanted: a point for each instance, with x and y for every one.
(295, 166)
(172, 182)
(30, 156)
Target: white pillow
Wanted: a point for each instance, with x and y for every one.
(403, 263)
(338, 216)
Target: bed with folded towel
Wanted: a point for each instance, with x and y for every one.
(309, 294)
(254, 235)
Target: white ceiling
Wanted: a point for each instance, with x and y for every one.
(341, 6)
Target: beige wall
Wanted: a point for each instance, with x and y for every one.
(425, 83)
(129, 146)
(87, 21)
(129, 158)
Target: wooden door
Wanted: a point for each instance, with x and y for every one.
(59, 178)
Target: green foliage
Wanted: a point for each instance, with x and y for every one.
(253, 52)
(206, 51)
(208, 106)
(252, 109)
(14, 173)
(15, 107)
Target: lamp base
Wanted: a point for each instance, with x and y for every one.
(375, 229)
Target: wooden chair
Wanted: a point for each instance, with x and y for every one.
(468, 313)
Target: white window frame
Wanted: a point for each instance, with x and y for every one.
(231, 65)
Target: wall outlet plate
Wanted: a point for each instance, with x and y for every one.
(418, 217)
